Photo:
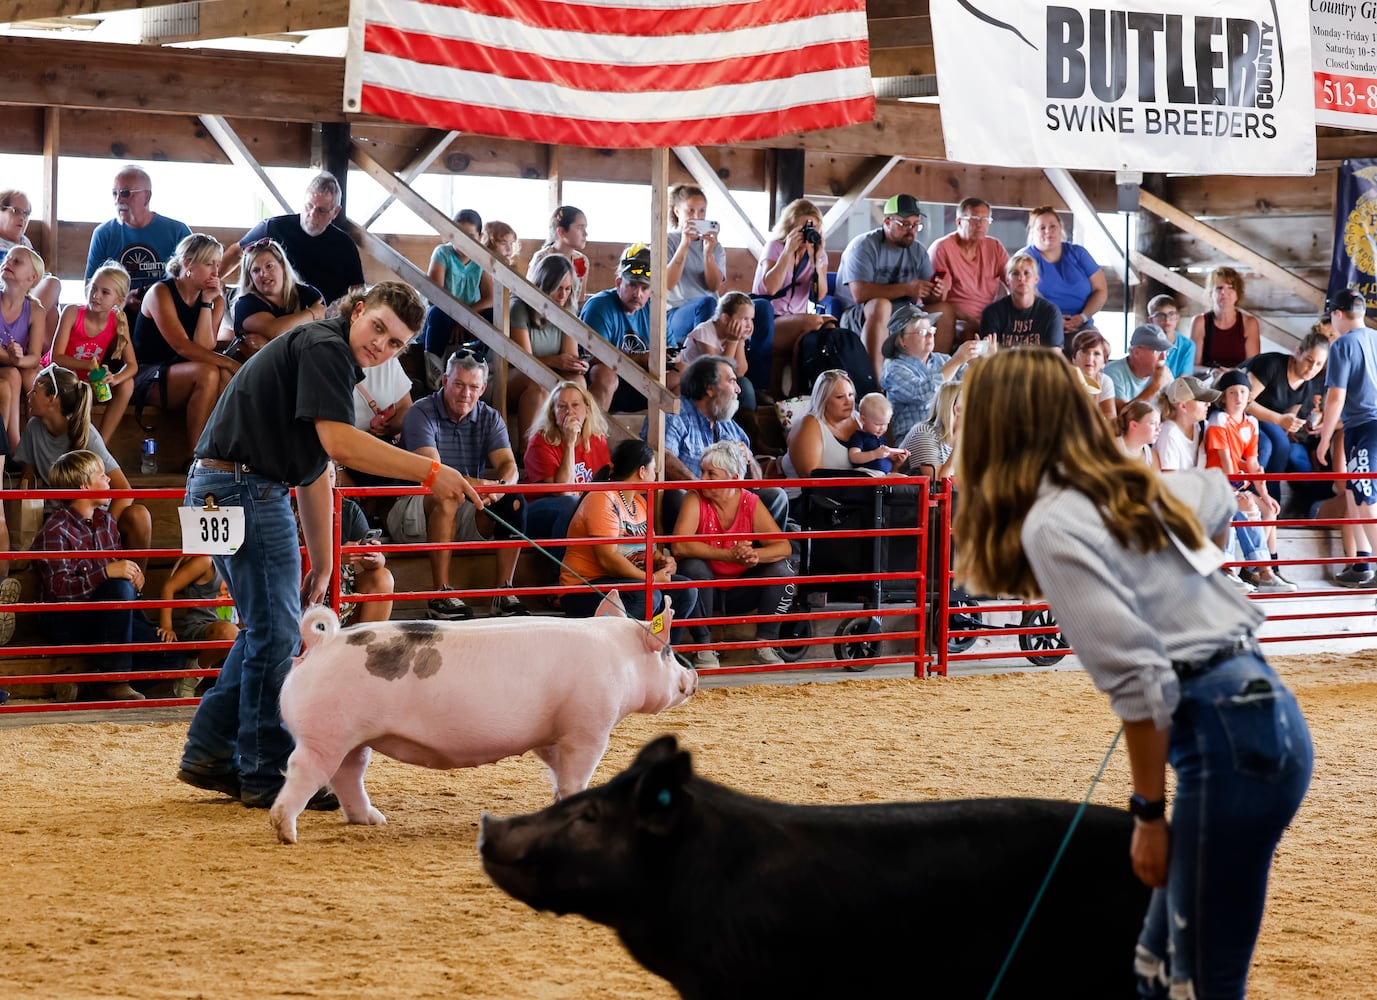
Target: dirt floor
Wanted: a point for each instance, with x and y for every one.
(121, 882)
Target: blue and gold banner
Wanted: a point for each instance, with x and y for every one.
(1355, 231)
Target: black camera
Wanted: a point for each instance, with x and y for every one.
(811, 234)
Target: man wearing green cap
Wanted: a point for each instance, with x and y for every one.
(883, 269)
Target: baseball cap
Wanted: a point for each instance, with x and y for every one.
(1345, 300)
(903, 317)
(1188, 387)
(1150, 335)
(635, 264)
(905, 206)
(1232, 378)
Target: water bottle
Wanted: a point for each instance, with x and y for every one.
(149, 465)
(99, 387)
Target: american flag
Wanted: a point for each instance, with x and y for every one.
(642, 74)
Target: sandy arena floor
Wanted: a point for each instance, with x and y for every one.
(121, 882)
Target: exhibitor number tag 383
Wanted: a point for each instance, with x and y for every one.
(211, 530)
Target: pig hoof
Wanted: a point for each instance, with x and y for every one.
(372, 818)
(284, 826)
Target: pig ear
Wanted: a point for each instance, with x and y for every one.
(657, 636)
(661, 796)
(656, 750)
(611, 607)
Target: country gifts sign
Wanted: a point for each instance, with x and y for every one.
(1191, 86)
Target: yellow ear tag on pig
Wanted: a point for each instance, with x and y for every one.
(657, 624)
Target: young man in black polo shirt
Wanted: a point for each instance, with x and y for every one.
(285, 415)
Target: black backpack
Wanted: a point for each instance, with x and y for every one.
(832, 346)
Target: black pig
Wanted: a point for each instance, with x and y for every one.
(726, 895)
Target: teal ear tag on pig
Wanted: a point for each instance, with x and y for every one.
(657, 624)
(664, 797)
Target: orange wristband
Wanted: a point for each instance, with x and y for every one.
(434, 474)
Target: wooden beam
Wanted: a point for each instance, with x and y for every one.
(240, 18)
(536, 300)
(1262, 265)
(713, 185)
(419, 164)
(378, 248)
(877, 170)
(900, 128)
(104, 76)
(240, 156)
(899, 32)
(37, 10)
(52, 136)
(659, 226)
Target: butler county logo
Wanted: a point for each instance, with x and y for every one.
(1155, 73)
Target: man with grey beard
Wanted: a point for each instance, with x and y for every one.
(709, 391)
(322, 253)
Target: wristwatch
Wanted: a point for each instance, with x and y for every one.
(1141, 808)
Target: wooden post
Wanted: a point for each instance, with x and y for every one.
(330, 146)
(555, 173)
(52, 118)
(659, 204)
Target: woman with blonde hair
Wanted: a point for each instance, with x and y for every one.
(931, 444)
(792, 276)
(568, 444)
(1053, 508)
(97, 335)
(271, 299)
(819, 440)
(175, 338)
(501, 241)
(1068, 276)
(22, 322)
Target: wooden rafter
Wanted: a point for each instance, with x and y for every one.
(1268, 268)
(234, 19)
(876, 171)
(701, 171)
(636, 376)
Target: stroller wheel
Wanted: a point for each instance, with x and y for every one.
(794, 628)
(854, 648)
(1034, 644)
(961, 622)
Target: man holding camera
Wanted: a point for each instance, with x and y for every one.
(883, 269)
(973, 262)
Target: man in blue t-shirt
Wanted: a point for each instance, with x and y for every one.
(322, 254)
(883, 269)
(1351, 394)
(621, 315)
(137, 238)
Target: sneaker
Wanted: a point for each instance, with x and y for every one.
(449, 609)
(509, 604)
(225, 784)
(184, 687)
(706, 658)
(1244, 587)
(9, 594)
(1352, 577)
(768, 655)
(1276, 585)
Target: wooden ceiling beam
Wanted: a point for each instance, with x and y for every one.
(900, 128)
(109, 77)
(37, 10)
(241, 19)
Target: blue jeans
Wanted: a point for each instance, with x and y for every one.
(1276, 452)
(238, 726)
(1242, 756)
(680, 321)
(548, 516)
(88, 628)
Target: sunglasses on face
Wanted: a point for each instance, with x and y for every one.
(126, 192)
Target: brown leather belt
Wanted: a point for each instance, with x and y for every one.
(220, 465)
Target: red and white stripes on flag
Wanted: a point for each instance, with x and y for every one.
(642, 73)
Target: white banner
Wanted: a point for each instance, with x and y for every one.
(1343, 48)
(1182, 86)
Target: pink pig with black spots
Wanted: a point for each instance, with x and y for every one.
(460, 694)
